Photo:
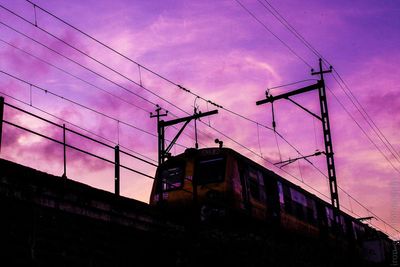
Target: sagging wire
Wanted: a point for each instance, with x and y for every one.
(315, 134)
(268, 95)
(301, 175)
(140, 76)
(34, 11)
(259, 143)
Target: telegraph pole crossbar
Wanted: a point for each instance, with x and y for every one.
(286, 95)
(161, 126)
(163, 152)
(328, 142)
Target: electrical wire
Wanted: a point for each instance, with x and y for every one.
(271, 32)
(77, 63)
(288, 84)
(288, 26)
(162, 77)
(77, 126)
(94, 72)
(74, 76)
(362, 129)
(121, 54)
(366, 117)
(284, 22)
(83, 106)
(364, 114)
(140, 66)
(208, 101)
(87, 82)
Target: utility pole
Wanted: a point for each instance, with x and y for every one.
(160, 131)
(164, 152)
(161, 126)
(328, 141)
(324, 118)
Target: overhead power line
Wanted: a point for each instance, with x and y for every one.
(77, 63)
(85, 81)
(79, 127)
(277, 15)
(73, 75)
(87, 68)
(288, 84)
(100, 113)
(99, 62)
(353, 99)
(288, 26)
(181, 87)
(342, 84)
(208, 101)
(82, 105)
(275, 35)
(127, 58)
(362, 129)
(366, 117)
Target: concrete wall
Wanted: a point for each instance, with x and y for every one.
(50, 221)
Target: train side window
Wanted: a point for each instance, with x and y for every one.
(311, 211)
(299, 203)
(281, 197)
(343, 224)
(256, 185)
(329, 216)
(172, 177)
(210, 170)
(287, 199)
(358, 230)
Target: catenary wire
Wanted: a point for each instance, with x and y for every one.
(308, 45)
(82, 106)
(32, 3)
(271, 32)
(362, 129)
(364, 114)
(76, 125)
(89, 83)
(353, 99)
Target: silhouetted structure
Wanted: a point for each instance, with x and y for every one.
(52, 221)
(324, 118)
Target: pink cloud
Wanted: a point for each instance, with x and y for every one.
(218, 51)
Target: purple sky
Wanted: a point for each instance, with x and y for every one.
(218, 51)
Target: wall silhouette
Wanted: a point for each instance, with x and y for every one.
(53, 221)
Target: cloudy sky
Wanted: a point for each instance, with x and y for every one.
(229, 52)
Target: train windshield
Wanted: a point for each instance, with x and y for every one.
(210, 170)
(172, 177)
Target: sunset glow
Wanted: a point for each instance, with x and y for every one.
(217, 50)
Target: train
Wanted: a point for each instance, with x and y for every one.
(221, 183)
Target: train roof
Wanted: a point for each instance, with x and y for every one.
(226, 150)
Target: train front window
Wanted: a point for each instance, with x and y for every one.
(172, 178)
(210, 170)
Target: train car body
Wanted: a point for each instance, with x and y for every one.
(218, 183)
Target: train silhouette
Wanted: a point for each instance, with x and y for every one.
(222, 183)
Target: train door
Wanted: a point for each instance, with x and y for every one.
(256, 191)
(272, 199)
(245, 192)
